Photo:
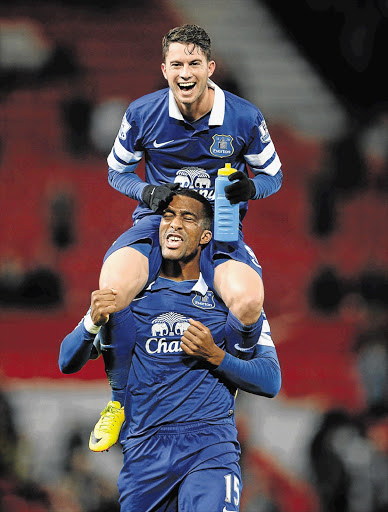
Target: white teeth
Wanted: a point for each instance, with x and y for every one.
(191, 84)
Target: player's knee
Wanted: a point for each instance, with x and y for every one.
(241, 289)
(247, 306)
(247, 310)
(123, 297)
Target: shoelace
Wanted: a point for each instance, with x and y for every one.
(108, 415)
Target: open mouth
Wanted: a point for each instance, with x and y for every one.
(187, 86)
(173, 241)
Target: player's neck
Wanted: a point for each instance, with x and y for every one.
(179, 270)
(194, 111)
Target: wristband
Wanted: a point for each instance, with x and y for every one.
(89, 325)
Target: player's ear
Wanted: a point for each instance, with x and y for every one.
(206, 237)
(211, 67)
(163, 67)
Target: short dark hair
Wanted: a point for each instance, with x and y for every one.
(207, 207)
(188, 34)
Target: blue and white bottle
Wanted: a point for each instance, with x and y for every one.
(226, 215)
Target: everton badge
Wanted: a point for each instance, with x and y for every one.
(222, 146)
(204, 301)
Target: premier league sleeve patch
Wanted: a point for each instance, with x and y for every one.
(222, 146)
(124, 128)
(264, 133)
(204, 301)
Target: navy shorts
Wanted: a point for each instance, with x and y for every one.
(145, 234)
(192, 467)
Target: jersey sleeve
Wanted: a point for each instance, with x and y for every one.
(261, 375)
(263, 160)
(76, 349)
(124, 158)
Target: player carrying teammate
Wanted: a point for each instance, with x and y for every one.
(185, 133)
(179, 437)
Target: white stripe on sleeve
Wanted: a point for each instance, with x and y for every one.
(257, 163)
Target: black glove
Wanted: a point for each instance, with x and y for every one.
(242, 190)
(158, 197)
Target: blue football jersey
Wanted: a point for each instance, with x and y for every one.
(190, 153)
(165, 385)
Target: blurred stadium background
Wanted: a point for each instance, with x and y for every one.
(68, 70)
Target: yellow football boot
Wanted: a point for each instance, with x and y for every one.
(107, 430)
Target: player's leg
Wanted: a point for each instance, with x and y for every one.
(128, 265)
(241, 288)
(216, 488)
(213, 477)
(239, 283)
(126, 271)
(117, 341)
(147, 480)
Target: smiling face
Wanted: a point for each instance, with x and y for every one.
(187, 70)
(182, 232)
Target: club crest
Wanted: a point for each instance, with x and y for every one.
(222, 146)
(204, 301)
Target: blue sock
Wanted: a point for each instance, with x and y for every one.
(118, 395)
(240, 339)
(116, 347)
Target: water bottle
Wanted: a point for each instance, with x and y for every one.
(226, 215)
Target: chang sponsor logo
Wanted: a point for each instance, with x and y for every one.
(165, 326)
(197, 179)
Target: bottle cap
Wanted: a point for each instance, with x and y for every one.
(226, 171)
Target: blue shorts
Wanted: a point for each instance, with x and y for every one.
(145, 235)
(189, 467)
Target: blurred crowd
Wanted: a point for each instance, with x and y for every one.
(78, 488)
(347, 469)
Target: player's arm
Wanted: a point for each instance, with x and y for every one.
(122, 177)
(82, 343)
(260, 375)
(76, 349)
(264, 162)
(124, 158)
(127, 182)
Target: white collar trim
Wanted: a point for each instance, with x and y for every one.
(218, 110)
(200, 286)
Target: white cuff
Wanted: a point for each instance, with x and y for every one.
(89, 325)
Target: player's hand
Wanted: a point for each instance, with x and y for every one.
(197, 341)
(242, 190)
(103, 303)
(158, 197)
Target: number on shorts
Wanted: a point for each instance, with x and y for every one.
(229, 490)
